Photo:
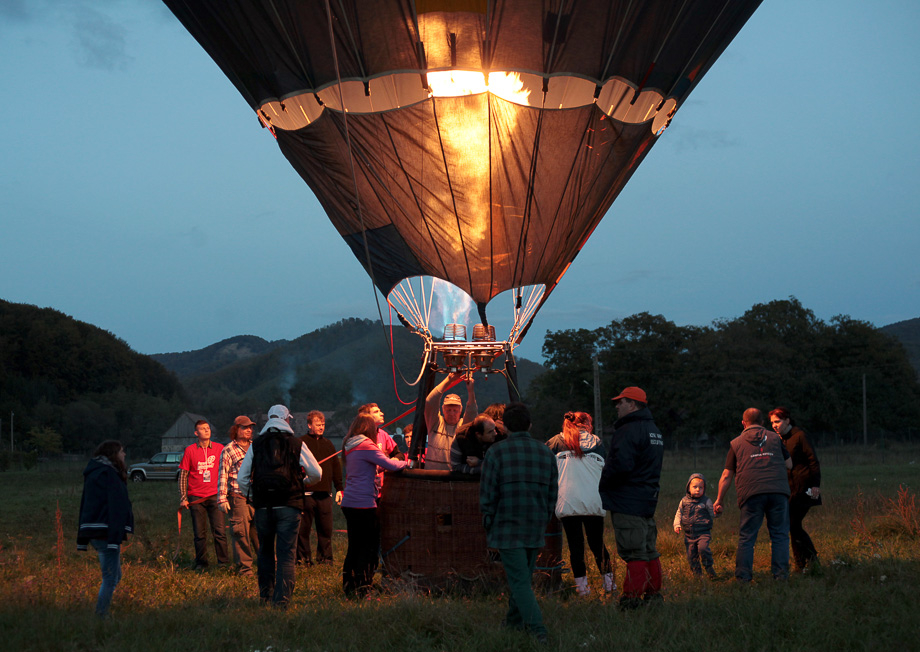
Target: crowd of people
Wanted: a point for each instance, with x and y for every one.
(276, 487)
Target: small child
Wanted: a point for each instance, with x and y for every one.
(694, 517)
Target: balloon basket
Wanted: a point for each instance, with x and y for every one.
(432, 538)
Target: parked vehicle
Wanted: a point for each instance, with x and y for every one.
(162, 466)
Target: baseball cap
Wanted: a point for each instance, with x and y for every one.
(243, 420)
(633, 394)
(452, 399)
(279, 412)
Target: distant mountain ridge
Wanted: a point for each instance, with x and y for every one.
(216, 356)
(339, 366)
(908, 332)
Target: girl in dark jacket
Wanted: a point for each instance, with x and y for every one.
(804, 485)
(106, 517)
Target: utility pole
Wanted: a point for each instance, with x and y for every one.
(865, 417)
(598, 421)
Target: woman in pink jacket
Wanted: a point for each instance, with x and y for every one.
(359, 503)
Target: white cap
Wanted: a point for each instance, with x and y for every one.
(279, 412)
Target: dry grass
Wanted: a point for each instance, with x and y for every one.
(864, 598)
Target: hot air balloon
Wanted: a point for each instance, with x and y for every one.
(475, 142)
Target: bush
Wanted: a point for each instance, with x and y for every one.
(17, 460)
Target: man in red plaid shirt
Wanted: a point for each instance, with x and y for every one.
(232, 501)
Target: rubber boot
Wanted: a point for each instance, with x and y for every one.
(652, 586)
(581, 586)
(654, 576)
(610, 583)
(633, 585)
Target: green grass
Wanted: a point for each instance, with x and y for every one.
(864, 598)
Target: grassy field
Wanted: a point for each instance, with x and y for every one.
(863, 599)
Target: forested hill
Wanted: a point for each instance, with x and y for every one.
(908, 333)
(334, 368)
(216, 356)
(76, 384)
(699, 379)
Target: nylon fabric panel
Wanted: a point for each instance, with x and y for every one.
(476, 225)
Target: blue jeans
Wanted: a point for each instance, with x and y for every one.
(776, 508)
(281, 524)
(110, 563)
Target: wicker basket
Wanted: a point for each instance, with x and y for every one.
(431, 534)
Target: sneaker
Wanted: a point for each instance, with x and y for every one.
(581, 586)
(610, 584)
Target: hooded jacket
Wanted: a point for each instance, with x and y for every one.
(758, 459)
(694, 515)
(105, 510)
(630, 479)
(362, 457)
(578, 475)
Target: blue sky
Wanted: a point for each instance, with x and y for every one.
(129, 201)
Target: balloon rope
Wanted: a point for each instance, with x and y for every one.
(354, 178)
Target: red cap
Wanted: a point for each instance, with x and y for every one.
(633, 394)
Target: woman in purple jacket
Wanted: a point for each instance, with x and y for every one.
(359, 503)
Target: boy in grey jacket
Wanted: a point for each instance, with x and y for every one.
(694, 518)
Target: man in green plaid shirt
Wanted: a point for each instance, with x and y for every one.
(517, 498)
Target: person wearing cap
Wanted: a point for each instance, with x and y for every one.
(442, 422)
(279, 412)
(198, 492)
(629, 488)
(278, 521)
(758, 462)
(231, 500)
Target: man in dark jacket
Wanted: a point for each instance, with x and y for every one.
(629, 490)
(758, 460)
(318, 498)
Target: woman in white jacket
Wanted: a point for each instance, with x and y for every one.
(580, 457)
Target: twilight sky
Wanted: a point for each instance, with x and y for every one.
(126, 202)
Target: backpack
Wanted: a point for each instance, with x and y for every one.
(275, 470)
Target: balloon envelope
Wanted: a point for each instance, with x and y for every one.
(475, 141)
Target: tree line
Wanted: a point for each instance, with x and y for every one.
(699, 379)
(71, 385)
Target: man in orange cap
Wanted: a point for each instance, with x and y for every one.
(629, 490)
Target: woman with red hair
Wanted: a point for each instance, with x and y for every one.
(580, 458)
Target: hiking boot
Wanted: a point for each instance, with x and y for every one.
(653, 599)
(628, 603)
